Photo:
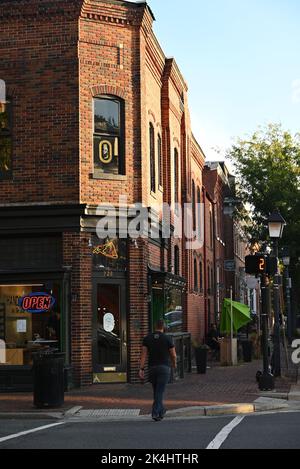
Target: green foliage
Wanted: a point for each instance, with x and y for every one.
(268, 167)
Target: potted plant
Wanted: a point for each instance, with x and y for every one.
(200, 352)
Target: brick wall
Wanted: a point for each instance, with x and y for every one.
(60, 56)
(77, 254)
(38, 61)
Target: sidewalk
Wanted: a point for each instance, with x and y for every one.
(220, 386)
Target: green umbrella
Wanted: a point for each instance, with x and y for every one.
(241, 316)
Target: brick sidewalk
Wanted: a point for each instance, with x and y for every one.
(221, 385)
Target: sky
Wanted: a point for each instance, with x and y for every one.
(241, 60)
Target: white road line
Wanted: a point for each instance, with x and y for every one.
(217, 442)
(34, 430)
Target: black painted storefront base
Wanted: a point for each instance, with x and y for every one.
(16, 379)
(20, 379)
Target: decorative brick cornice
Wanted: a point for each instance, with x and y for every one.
(111, 11)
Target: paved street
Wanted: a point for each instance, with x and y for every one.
(265, 431)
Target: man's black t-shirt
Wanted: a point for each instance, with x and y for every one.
(158, 345)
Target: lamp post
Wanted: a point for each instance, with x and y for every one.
(286, 262)
(266, 380)
(276, 224)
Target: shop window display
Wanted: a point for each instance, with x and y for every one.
(30, 320)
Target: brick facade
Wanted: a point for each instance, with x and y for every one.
(55, 59)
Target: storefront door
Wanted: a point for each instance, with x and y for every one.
(109, 331)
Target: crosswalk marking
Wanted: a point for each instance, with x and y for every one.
(217, 442)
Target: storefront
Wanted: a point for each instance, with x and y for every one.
(34, 305)
(167, 300)
(109, 310)
(167, 303)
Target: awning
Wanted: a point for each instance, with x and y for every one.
(240, 316)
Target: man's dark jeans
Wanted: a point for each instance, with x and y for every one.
(159, 378)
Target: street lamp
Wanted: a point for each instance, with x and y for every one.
(286, 262)
(276, 224)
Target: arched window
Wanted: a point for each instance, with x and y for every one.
(195, 275)
(160, 162)
(201, 275)
(194, 205)
(109, 145)
(199, 212)
(176, 261)
(152, 158)
(176, 176)
(211, 230)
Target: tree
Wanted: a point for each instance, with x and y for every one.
(268, 168)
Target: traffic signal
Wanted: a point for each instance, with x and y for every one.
(260, 264)
(256, 265)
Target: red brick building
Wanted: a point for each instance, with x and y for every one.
(230, 240)
(94, 111)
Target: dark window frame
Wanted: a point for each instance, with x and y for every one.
(160, 162)
(120, 135)
(194, 204)
(152, 158)
(195, 275)
(8, 133)
(176, 260)
(201, 275)
(176, 176)
(199, 211)
(211, 229)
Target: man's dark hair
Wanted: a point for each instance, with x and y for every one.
(159, 325)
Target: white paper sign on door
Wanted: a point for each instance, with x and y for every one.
(108, 322)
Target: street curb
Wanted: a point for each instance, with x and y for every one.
(73, 411)
(229, 409)
(260, 405)
(31, 415)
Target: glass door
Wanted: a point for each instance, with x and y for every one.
(109, 331)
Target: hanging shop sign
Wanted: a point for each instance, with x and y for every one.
(36, 302)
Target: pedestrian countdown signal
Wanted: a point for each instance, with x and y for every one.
(259, 265)
(256, 265)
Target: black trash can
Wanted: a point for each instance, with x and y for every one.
(48, 379)
(201, 360)
(247, 350)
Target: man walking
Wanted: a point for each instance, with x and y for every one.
(162, 355)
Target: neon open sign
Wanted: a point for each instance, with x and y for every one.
(36, 302)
